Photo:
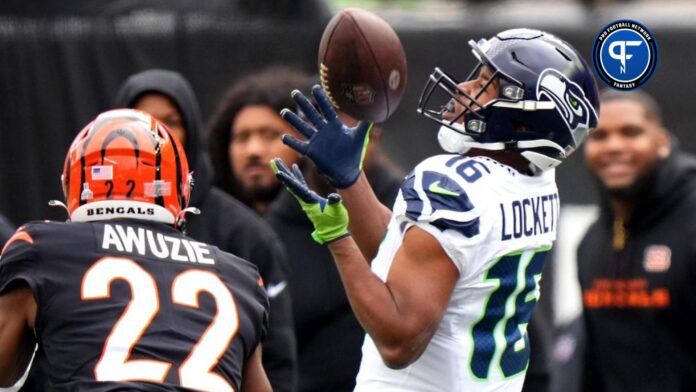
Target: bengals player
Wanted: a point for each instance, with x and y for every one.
(118, 298)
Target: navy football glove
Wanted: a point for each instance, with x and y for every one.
(328, 215)
(337, 151)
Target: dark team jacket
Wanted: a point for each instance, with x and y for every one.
(95, 282)
(639, 302)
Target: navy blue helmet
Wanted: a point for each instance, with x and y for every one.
(547, 102)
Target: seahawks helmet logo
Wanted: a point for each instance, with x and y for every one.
(570, 102)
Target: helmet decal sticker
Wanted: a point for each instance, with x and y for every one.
(126, 134)
(570, 101)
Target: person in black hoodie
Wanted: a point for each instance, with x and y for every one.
(329, 338)
(224, 221)
(637, 262)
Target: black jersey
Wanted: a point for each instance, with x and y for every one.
(136, 302)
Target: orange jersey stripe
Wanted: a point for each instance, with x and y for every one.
(19, 235)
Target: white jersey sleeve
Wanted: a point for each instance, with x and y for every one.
(436, 198)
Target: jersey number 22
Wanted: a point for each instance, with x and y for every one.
(195, 370)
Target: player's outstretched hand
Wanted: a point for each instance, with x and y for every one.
(328, 215)
(336, 149)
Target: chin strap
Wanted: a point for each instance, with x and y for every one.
(58, 203)
(181, 217)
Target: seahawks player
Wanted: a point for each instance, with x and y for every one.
(445, 296)
(118, 298)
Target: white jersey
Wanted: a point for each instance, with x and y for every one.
(496, 225)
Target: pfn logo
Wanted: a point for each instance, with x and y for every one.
(625, 54)
(621, 54)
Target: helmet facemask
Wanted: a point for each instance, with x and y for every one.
(471, 121)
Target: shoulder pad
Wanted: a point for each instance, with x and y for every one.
(438, 197)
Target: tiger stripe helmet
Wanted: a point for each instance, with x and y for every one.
(126, 164)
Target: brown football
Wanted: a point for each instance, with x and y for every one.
(362, 65)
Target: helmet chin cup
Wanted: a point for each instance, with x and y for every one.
(541, 161)
(453, 141)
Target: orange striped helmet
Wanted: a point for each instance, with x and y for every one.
(126, 164)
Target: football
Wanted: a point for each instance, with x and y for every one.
(362, 65)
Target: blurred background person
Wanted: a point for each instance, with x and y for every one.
(241, 157)
(224, 221)
(244, 136)
(636, 263)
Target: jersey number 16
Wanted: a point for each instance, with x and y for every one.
(500, 335)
